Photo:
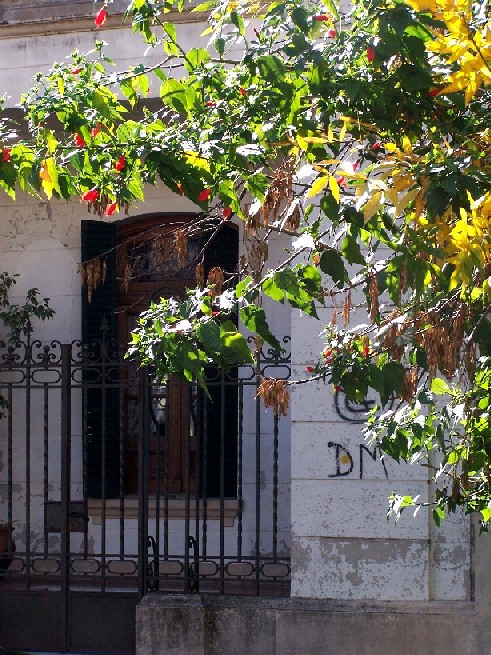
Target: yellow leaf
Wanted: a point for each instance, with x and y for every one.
(46, 181)
(334, 186)
(319, 184)
(372, 206)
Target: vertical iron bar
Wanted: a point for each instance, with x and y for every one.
(143, 486)
(85, 425)
(204, 436)
(155, 394)
(28, 457)
(45, 468)
(9, 456)
(258, 472)
(222, 482)
(104, 353)
(122, 393)
(239, 468)
(187, 540)
(166, 472)
(65, 488)
(275, 487)
(197, 482)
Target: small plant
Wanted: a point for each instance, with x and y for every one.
(16, 318)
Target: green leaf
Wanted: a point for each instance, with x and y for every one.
(440, 387)
(331, 263)
(208, 332)
(234, 349)
(254, 318)
(195, 58)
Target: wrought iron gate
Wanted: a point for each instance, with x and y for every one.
(117, 485)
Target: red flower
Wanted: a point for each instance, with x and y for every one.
(111, 209)
(242, 92)
(366, 351)
(434, 92)
(332, 34)
(120, 164)
(6, 154)
(322, 17)
(204, 195)
(100, 18)
(210, 103)
(338, 388)
(310, 369)
(227, 212)
(328, 355)
(342, 182)
(376, 145)
(316, 259)
(76, 71)
(370, 54)
(256, 32)
(215, 314)
(95, 130)
(179, 188)
(79, 142)
(90, 196)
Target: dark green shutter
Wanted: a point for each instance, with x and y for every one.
(100, 337)
(224, 252)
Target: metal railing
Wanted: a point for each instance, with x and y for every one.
(114, 480)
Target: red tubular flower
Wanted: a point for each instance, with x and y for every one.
(310, 369)
(342, 182)
(321, 17)
(338, 388)
(90, 196)
(227, 212)
(242, 92)
(370, 54)
(179, 188)
(434, 92)
(256, 32)
(95, 130)
(210, 103)
(79, 142)
(120, 164)
(327, 355)
(376, 145)
(6, 154)
(204, 195)
(111, 209)
(366, 351)
(332, 34)
(100, 18)
(76, 71)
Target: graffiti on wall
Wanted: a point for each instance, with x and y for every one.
(345, 460)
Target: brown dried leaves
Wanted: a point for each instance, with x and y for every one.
(274, 394)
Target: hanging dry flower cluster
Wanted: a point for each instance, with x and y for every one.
(410, 384)
(274, 394)
(215, 281)
(93, 273)
(442, 340)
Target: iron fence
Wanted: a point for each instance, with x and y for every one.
(116, 481)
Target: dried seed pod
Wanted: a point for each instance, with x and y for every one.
(346, 309)
(215, 281)
(410, 384)
(181, 241)
(275, 395)
(200, 275)
(373, 293)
